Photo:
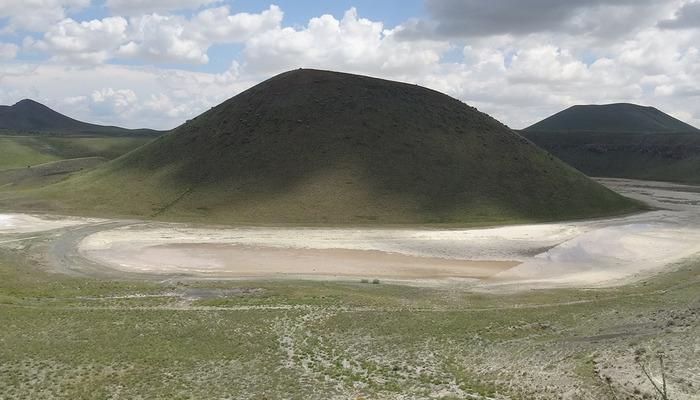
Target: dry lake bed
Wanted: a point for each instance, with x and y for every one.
(98, 308)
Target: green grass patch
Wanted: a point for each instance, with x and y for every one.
(80, 338)
(24, 151)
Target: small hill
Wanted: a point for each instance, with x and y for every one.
(28, 116)
(622, 141)
(319, 147)
(612, 118)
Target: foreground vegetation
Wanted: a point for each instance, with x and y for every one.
(65, 337)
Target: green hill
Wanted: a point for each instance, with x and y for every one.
(612, 118)
(623, 141)
(28, 116)
(32, 134)
(318, 147)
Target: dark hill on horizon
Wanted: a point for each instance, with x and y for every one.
(29, 117)
(622, 141)
(318, 147)
(620, 117)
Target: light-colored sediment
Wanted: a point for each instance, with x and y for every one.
(581, 253)
(29, 223)
(225, 260)
(500, 244)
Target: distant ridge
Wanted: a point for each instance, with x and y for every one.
(620, 117)
(320, 147)
(29, 117)
(622, 141)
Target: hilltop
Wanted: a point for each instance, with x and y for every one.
(29, 117)
(622, 140)
(621, 117)
(320, 147)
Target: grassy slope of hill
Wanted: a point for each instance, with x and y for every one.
(316, 147)
(623, 141)
(20, 152)
(27, 162)
(47, 173)
(32, 134)
(673, 157)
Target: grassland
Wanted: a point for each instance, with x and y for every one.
(37, 161)
(40, 175)
(24, 151)
(69, 337)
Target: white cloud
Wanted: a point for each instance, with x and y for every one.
(164, 39)
(652, 68)
(218, 25)
(176, 39)
(162, 103)
(36, 15)
(138, 7)
(108, 101)
(546, 64)
(8, 51)
(156, 38)
(351, 44)
(518, 78)
(88, 41)
(120, 95)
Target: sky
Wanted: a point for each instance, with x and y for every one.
(157, 63)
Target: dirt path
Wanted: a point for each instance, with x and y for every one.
(62, 250)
